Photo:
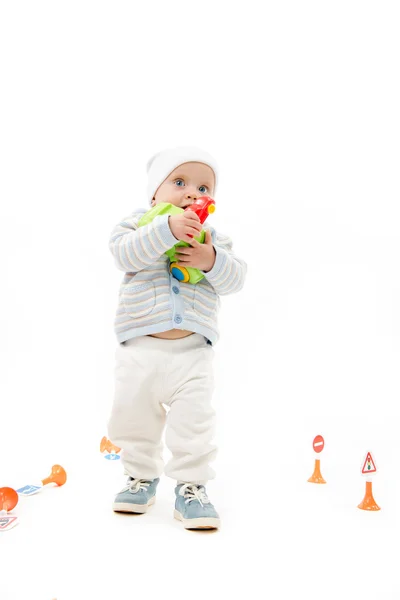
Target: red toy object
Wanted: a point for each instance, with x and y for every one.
(318, 443)
(8, 498)
(203, 207)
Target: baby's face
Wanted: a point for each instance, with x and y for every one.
(186, 183)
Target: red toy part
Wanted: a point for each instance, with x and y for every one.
(369, 465)
(8, 498)
(203, 207)
(318, 443)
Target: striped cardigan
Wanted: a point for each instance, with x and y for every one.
(151, 300)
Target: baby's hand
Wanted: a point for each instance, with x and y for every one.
(198, 256)
(185, 225)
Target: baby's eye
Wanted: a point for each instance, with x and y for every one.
(203, 189)
(179, 182)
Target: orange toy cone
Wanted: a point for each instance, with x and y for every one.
(316, 477)
(106, 445)
(369, 501)
(57, 476)
(112, 448)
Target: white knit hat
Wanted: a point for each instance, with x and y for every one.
(162, 164)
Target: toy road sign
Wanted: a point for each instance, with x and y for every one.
(29, 490)
(112, 456)
(318, 443)
(8, 523)
(369, 465)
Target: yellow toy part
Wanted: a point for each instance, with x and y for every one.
(179, 273)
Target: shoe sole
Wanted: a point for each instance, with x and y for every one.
(199, 523)
(127, 507)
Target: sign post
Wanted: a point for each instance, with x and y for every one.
(369, 466)
(318, 446)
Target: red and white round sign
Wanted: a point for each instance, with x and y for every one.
(318, 443)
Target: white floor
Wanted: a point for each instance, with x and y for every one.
(281, 538)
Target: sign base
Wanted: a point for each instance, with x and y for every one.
(316, 477)
(369, 502)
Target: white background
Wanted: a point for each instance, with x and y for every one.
(299, 102)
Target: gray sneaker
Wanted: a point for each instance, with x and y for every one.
(136, 496)
(193, 507)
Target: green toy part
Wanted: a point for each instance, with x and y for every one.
(164, 208)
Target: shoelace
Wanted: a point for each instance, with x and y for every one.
(190, 492)
(136, 485)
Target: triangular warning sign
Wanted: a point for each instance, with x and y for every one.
(369, 465)
(5, 522)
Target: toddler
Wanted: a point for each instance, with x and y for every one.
(166, 331)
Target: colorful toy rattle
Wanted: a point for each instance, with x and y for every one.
(203, 207)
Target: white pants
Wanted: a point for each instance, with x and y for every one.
(150, 373)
